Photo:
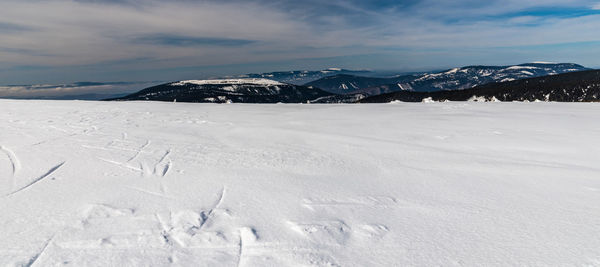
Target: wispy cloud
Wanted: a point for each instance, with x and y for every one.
(6, 27)
(194, 34)
(179, 40)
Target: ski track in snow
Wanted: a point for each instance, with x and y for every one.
(121, 164)
(32, 262)
(14, 160)
(162, 169)
(139, 151)
(45, 175)
(15, 164)
(439, 184)
(160, 195)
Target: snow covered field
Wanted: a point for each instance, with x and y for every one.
(436, 184)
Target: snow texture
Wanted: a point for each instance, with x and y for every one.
(176, 184)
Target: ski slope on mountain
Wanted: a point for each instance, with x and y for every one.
(179, 184)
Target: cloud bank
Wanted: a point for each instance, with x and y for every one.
(79, 90)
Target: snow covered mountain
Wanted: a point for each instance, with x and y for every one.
(453, 79)
(345, 83)
(330, 89)
(248, 90)
(300, 77)
(468, 77)
(583, 86)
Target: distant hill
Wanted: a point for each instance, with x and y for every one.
(583, 86)
(339, 99)
(228, 90)
(453, 79)
(301, 77)
(346, 83)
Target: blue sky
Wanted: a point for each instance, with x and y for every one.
(61, 41)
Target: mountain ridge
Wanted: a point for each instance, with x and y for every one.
(412, 87)
(247, 90)
(299, 77)
(581, 86)
(450, 79)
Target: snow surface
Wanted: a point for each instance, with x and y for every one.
(521, 67)
(437, 184)
(526, 72)
(256, 81)
(452, 71)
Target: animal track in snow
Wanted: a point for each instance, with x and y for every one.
(106, 211)
(323, 232)
(108, 226)
(113, 226)
(338, 230)
(182, 236)
(376, 231)
(184, 229)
